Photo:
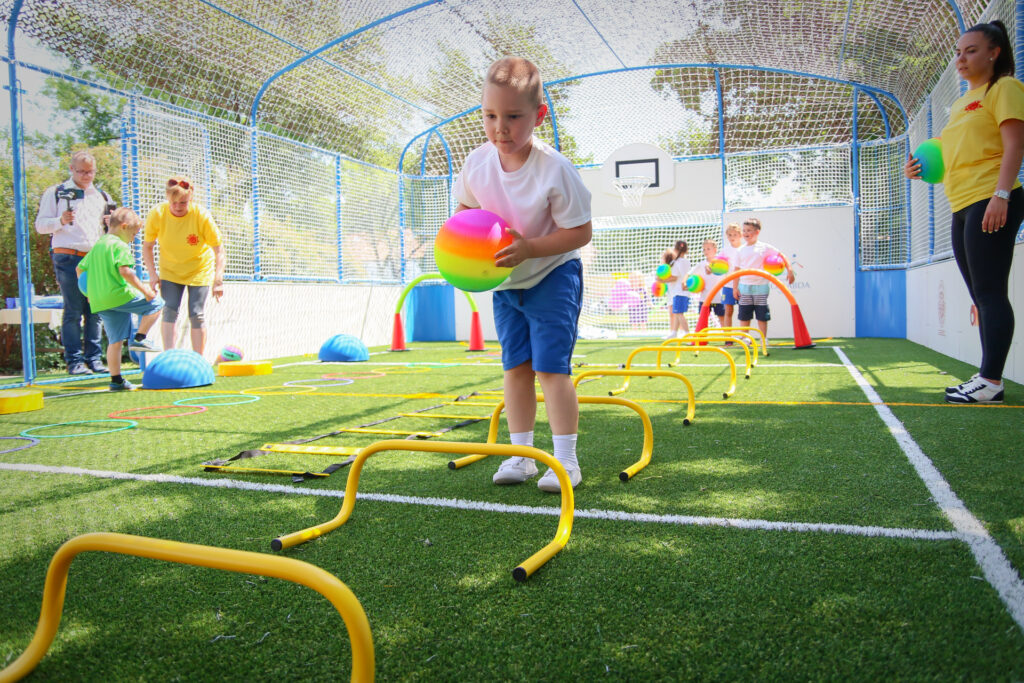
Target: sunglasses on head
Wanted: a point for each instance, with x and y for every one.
(183, 184)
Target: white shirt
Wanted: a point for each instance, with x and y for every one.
(710, 280)
(544, 195)
(680, 268)
(752, 256)
(87, 226)
(733, 254)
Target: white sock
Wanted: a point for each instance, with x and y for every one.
(565, 450)
(994, 385)
(521, 438)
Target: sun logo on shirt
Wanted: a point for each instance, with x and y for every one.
(192, 239)
(973, 106)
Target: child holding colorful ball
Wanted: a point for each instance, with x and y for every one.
(753, 300)
(542, 197)
(730, 253)
(679, 267)
(711, 271)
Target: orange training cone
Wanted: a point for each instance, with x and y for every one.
(801, 337)
(702, 319)
(476, 333)
(398, 334)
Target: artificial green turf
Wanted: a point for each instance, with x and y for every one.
(624, 600)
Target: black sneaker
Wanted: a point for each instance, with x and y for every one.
(96, 366)
(79, 368)
(122, 386)
(976, 391)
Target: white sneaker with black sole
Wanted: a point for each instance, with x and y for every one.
(976, 391)
(549, 482)
(958, 387)
(515, 470)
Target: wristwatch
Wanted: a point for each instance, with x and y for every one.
(1002, 194)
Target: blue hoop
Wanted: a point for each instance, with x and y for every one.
(27, 432)
(34, 441)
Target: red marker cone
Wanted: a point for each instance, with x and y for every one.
(398, 334)
(476, 333)
(801, 337)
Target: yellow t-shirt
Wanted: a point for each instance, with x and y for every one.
(185, 254)
(972, 147)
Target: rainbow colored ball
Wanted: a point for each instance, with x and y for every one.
(694, 283)
(929, 155)
(465, 246)
(719, 265)
(774, 264)
(230, 353)
(663, 272)
(658, 288)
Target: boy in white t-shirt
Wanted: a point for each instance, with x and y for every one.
(676, 293)
(731, 251)
(710, 279)
(753, 299)
(536, 310)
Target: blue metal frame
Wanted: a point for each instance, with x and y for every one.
(323, 48)
(553, 115)
(338, 201)
(257, 270)
(855, 173)
(721, 143)
(931, 188)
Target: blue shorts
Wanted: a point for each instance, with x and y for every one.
(717, 309)
(540, 324)
(680, 304)
(730, 298)
(117, 321)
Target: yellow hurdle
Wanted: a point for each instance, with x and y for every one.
(742, 328)
(625, 475)
(664, 349)
(690, 400)
(744, 339)
(243, 562)
(525, 568)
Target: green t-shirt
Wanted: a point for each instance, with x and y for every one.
(105, 286)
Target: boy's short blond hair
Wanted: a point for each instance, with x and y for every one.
(731, 228)
(520, 74)
(124, 217)
(753, 222)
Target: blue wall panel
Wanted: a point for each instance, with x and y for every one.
(882, 303)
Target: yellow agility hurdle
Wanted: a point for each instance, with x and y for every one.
(240, 561)
(624, 475)
(749, 329)
(690, 397)
(665, 349)
(745, 340)
(525, 568)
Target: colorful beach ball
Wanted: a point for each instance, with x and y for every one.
(929, 154)
(663, 271)
(719, 265)
(658, 288)
(230, 353)
(774, 264)
(465, 246)
(694, 283)
(83, 282)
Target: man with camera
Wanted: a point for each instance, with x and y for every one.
(74, 212)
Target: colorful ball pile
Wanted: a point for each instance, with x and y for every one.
(663, 272)
(694, 283)
(719, 264)
(658, 288)
(465, 246)
(230, 353)
(774, 264)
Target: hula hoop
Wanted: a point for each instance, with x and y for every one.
(355, 375)
(119, 413)
(270, 391)
(33, 442)
(27, 432)
(299, 382)
(402, 370)
(186, 401)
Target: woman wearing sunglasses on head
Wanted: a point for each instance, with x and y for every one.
(191, 257)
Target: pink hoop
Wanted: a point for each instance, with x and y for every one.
(118, 413)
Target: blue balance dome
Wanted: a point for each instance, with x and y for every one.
(177, 369)
(344, 347)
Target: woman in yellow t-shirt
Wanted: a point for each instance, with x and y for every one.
(191, 256)
(982, 148)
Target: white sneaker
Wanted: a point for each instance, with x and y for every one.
(962, 385)
(976, 391)
(515, 470)
(549, 482)
(667, 335)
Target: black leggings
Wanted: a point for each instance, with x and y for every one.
(984, 259)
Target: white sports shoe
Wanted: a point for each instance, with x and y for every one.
(976, 391)
(515, 470)
(549, 482)
(962, 385)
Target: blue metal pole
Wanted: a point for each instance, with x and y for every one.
(134, 198)
(721, 144)
(338, 201)
(401, 226)
(22, 244)
(257, 270)
(855, 171)
(931, 188)
(554, 118)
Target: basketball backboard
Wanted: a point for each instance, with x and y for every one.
(639, 159)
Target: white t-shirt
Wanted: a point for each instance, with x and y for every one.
(544, 195)
(680, 268)
(733, 254)
(752, 256)
(710, 279)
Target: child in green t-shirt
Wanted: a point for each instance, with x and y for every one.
(116, 292)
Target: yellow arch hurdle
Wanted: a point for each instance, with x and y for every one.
(240, 561)
(747, 341)
(525, 568)
(666, 349)
(625, 475)
(690, 397)
(750, 329)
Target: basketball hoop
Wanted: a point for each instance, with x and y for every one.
(632, 189)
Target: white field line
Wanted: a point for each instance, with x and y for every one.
(455, 503)
(990, 557)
